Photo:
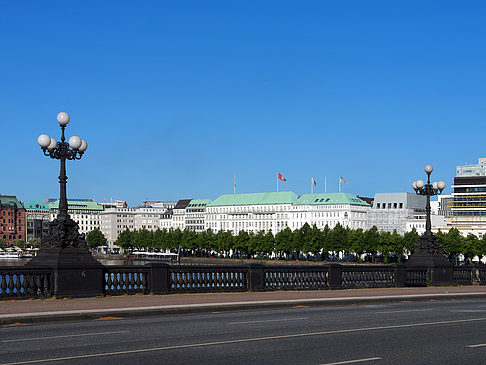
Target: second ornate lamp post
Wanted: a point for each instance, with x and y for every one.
(428, 251)
(428, 243)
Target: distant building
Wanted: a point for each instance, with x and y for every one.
(468, 209)
(445, 205)
(195, 215)
(12, 219)
(37, 219)
(167, 205)
(178, 214)
(397, 211)
(117, 217)
(275, 211)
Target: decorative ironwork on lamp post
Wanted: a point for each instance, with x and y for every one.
(63, 231)
(428, 243)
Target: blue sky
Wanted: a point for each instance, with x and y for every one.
(175, 98)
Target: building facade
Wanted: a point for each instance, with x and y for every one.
(37, 217)
(276, 211)
(397, 211)
(178, 214)
(195, 215)
(12, 219)
(118, 217)
(468, 208)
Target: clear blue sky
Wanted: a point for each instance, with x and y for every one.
(174, 98)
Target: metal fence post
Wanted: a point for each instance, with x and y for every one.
(256, 277)
(158, 278)
(400, 275)
(334, 276)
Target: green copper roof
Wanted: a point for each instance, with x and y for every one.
(198, 204)
(284, 197)
(78, 205)
(329, 198)
(10, 201)
(36, 204)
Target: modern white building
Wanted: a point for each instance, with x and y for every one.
(179, 213)
(276, 211)
(397, 211)
(195, 215)
(468, 206)
(118, 217)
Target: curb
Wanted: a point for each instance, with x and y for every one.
(120, 313)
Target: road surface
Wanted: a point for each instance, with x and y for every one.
(445, 332)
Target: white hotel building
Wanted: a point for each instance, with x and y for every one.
(278, 210)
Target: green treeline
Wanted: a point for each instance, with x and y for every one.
(306, 242)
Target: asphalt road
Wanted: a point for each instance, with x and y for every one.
(446, 332)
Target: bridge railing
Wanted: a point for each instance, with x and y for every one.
(296, 277)
(17, 282)
(119, 280)
(194, 279)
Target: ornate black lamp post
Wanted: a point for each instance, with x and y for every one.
(428, 243)
(63, 247)
(63, 231)
(428, 251)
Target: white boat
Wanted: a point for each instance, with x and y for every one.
(11, 254)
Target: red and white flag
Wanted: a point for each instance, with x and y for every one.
(281, 177)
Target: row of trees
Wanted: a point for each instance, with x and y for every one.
(21, 243)
(287, 244)
(324, 244)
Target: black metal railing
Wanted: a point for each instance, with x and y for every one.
(20, 282)
(118, 280)
(195, 279)
(367, 277)
(17, 282)
(295, 278)
(417, 277)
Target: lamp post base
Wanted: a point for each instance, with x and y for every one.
(76, 273)
(428, 253)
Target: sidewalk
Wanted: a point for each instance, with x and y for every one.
(35, 311)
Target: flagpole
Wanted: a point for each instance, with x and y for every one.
(234, 184)
(277, 182)
(325, 184)
(312, 187)
(340, 184)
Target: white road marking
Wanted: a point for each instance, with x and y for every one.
(405, 311)
(353, 361)
(479, 345)
(65, 336)
(271, 320)
(467, 310)
(279, 337)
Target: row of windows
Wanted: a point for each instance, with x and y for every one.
(12, 214)
(389, 205)
(11, 221)
(11, 228)
(12, 237)
(470, 190)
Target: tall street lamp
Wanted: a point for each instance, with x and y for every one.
(63, 245)
(63, 231)
(428, 243)
(428, 251)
